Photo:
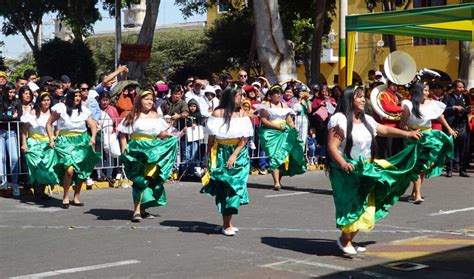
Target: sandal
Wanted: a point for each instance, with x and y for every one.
(137, 218)
(146, 215)
(277, 187)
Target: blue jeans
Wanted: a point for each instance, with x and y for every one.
(9, 143)
(191, 156)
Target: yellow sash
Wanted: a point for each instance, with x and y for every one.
(287, 159)
(38, 136)
(213, 157)
(422, 128)
(70, 134)
(142, 137)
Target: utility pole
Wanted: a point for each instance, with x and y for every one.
(342, 43)
(118, 31)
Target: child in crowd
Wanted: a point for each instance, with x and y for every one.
(314, 149)
(247, 107)
(191, 145)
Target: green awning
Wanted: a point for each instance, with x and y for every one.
(452, 22)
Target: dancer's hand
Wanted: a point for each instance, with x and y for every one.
(347, 167)
(92, 142)
(51, 144)
(453, 133)
(23, 148)
(414, 134)
(231, 161)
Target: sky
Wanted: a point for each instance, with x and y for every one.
(16, 46)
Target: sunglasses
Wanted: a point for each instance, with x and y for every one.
(242, 75)
(84, 88)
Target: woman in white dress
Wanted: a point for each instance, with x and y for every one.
(73, 146)
(148, 156)
(417, 115)
(226, 177)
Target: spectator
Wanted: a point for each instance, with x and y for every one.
(3, 80)
(242, 78)
(371, 77)
(322, 106)
(379, 77)
(26, 99)
(57, 93)
(125, 100)
(10, 110)
(302, 109)
(198, 95)
(65, 82)
(288, 97)
(456, 114)
(247, 107)
(106, 81)
(90, 102)
(211, 98)
(175, 106)
(191, 146)
(162, 93)
(20, 82)
(30, 75)
(314, 149)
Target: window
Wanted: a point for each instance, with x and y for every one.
(223, 6)
(420, 41)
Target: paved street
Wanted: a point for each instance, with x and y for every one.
(286, 234)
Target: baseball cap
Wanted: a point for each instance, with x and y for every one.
(257, 84)
(248, 88)
(161, 87)
(378, 73)
(65, 79)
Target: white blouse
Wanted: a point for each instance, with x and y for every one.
(74, 123)
(429, 110)
(238, 127)
(361, 137)
(37, 125)
(276, 114)
(145, 126)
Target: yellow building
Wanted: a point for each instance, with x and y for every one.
(435, 54)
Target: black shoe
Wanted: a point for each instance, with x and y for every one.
(464, 174)
(77, 203)
(449, 173)
(65, 205)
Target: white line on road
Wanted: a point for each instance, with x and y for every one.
(74, 270)
(284, 195)
(441, 212)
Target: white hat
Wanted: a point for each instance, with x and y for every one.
(378, 73)
(209, 89)
(257, 84)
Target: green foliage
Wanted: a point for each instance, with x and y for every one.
(74, 59)
(103, 53)
(17, 67)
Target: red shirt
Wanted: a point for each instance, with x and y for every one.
(389, 104)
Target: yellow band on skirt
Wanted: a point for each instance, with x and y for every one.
(142, 137)
(70, 134)
(38, 136)
(422, 128)
(213, 157)
(366, 221)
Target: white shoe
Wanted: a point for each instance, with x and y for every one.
(235, 229)
(346, 250)
(118, 176)
(360, 249)
(89, 181)
(15, 190)
(4, 186)
(198, 171)
(228, 232)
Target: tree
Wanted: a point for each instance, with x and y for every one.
(74, 59)
(2, 60)
(25, 18)
(80, 15)
(17, 67)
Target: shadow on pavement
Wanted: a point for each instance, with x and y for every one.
(30, 199)
(311, 246)
(290, 188)
(110, 214)
(193, 226)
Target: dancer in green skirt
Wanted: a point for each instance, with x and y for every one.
(226, 177)
(279, 138)
(40, 158)
(363, 188)
(149, 156)
(73, 146)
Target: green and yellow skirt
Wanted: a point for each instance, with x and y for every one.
(228, 186)
(285, 150)
(149, 162)
(366, 194)
(73, 149)
(41, 160)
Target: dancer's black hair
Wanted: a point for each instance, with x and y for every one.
(227, 103)
(346, 107)
(69, 102)
(417, 98)
(37, 106)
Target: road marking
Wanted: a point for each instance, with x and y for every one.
(441, 212)
(74, 270)
(279, 266)
(290, 194)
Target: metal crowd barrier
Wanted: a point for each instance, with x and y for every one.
(194, 143)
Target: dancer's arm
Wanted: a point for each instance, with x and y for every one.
(390, 132)
(445, 124)
(335, 138)
(404, 119)
(24, 132)
(267, 123)
(49, 127)
(123, 142)
(93, 126)
(233, 157)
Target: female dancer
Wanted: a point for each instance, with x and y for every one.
(228, 128)
(280, 139)
(364, 189)
(40, 159)
(417, 115)
(73, 146)
(149, 156)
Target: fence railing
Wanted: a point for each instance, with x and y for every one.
(191, 157)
